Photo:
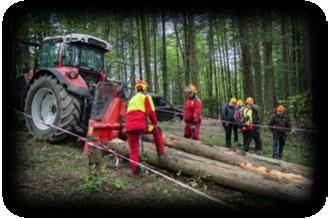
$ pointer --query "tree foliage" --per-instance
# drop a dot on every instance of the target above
(224, 54)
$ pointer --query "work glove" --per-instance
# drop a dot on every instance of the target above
(150, 127)
(193, 128)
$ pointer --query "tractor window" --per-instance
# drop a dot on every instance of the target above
(84, 56)
(69, 55)
(91, 58)
(48, 56)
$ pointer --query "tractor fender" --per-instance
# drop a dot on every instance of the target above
(76, 86)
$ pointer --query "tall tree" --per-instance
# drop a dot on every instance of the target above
(285, 55)
(245, 51)
(192, 46)
(256, 60)
(228, 73)
(155, 65)
(209, 80)
(235, 65)
(140, 67)
(187, 48)
(164, 56)
(118, 48)
(179, 77)
(268, 63)
(220, 62)
(146, 46)
(307, 50)
(132, 51)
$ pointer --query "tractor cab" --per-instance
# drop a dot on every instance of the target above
(83, 53)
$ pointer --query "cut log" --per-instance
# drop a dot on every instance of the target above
(222, 173)
(263, 165)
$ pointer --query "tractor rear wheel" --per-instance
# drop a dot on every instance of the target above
(47, 100)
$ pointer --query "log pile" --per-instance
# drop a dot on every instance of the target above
(243, 171)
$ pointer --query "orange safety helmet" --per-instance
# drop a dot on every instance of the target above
(141, 84)
(280, 108)
(250, 100)
(191, 89)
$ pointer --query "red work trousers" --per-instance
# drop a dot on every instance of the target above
(133, 141)
(195, 134)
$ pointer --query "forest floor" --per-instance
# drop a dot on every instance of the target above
(57, 174)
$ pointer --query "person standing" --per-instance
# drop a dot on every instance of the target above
(250, 118)
(192, 114)
(227, 115)
(237, 119)
(140, 108)
(256, 129)
(279, 120)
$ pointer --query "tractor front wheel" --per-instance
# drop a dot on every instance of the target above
(48, 102)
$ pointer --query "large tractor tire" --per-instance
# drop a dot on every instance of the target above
(48, 100)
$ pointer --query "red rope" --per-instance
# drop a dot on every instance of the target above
(236, 123)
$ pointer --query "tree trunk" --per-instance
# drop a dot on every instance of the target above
(256, 61)
(308, 50)
(235, 69)
(209, 79)
(164, 56)
(246, 62)
(140, 67)
(228, 73)
(187, 50)
(193, 59)
(285, 55)
(224, 72)
(269, 74)
(219, 172)
(221, 63)
(179, 80)
(132, 52)
(146, 45)
(118, 48)
(262, 165)
(155, 28)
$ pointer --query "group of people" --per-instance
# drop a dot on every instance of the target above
(246, 117)
(141, 119)
(235, 115)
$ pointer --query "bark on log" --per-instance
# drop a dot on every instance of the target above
(221, 173)
(260, 164)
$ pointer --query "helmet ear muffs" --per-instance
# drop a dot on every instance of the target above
(191, 89)
(141, 86)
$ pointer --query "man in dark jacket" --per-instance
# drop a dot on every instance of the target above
(279, 120)
(256, 129)
(227, 116)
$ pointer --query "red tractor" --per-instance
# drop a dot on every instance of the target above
(60, 90)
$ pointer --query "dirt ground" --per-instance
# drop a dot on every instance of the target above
(58, 175)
